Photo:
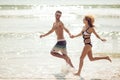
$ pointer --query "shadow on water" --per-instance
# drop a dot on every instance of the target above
(59, 76)
(96, 79)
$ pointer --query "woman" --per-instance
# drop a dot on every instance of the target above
(86, 32)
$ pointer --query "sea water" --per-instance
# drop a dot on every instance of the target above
(23, 54)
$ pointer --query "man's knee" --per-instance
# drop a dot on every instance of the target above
(52, 53)
(65, 55)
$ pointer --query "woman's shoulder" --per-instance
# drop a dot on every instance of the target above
(92, 29)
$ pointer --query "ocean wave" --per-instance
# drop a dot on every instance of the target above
(14, 7)
(41, 16)
(36, 11)
(111, 34)
(18, 7)
(19, 16)
(21, 35)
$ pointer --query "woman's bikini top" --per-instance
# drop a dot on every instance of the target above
(86, 36)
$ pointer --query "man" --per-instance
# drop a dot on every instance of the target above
(59, 29)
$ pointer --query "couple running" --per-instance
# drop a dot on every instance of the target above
(86, 32)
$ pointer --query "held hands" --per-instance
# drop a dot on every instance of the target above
(72, 36)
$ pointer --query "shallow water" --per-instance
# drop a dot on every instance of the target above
(23, 55)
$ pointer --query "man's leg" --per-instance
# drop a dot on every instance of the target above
(68, 60)
(56, 54)
(63, 56)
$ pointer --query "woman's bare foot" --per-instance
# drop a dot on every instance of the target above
(108, 58)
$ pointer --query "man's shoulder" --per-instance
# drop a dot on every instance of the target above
(61, 23)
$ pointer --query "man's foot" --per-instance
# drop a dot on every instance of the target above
(108, 58)
(71, 69)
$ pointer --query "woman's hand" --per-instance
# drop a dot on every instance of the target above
(41, 36)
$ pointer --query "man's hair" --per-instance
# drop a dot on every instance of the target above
(58, 12)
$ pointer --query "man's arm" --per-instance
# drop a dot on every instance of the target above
(49, 32)
(66, 29)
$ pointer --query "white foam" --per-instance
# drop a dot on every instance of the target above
(64, 69)
(71, 76)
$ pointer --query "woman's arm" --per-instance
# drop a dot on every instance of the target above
(95, 33)
(73, 36)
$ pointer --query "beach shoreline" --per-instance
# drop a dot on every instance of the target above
(98, 70)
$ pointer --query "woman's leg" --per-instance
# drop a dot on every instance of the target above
(84, 52)
(91, 58)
